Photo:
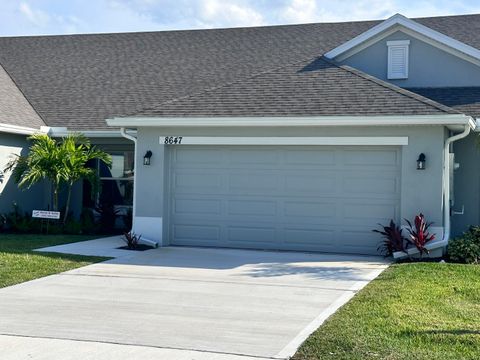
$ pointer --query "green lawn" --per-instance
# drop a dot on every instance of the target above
(411, 311)
(18, 263)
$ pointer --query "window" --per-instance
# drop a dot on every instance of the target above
(398, 59)
(116, 182)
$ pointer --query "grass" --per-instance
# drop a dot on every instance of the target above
(18, 263)
(411, 311)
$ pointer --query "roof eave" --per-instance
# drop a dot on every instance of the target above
(292, 121)
(18, 130)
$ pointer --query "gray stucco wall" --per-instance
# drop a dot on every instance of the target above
(34, 198)
(150, 181)
(428, 65)
(467, 184)
(421, 191)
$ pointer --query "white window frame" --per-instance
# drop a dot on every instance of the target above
(396, 44)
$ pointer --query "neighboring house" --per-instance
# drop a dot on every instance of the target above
(300, 137)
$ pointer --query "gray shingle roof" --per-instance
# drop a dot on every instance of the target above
(308, 88)
(14, 107)
(80, 80)
(463, 99)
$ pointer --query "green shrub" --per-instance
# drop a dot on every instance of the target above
(20, 222)
(466, 248)
(87, 222)
(72, 227)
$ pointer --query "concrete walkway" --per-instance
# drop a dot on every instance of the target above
(180, 303)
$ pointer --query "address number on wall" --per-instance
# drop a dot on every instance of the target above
(172, 140)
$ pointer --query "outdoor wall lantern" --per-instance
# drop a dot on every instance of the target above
(146, 157)
(421, 162)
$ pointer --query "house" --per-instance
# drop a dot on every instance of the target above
(299, 137)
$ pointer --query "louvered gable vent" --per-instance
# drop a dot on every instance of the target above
(398, 59)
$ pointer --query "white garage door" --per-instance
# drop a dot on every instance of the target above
(315, 198)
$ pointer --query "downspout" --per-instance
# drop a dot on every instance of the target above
(123, 132)
(446, 181)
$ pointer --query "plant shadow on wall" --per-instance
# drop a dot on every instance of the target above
(62, 163)
(394, 239)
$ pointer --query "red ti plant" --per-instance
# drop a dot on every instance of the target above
(418, 234)
(393, 240)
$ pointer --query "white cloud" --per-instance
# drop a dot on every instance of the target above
(27, 17)
(228, 13)
(304, 11)
(36, 17)
(300, 11)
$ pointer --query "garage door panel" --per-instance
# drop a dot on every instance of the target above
(371, 158)
(369, 185)
(358, 241)
(251, 207)
(253, 183)
(188, 206)
(310, 157)
(319, 183)
(369, 213)
(253, 157)
(196, 232)
(311, 198)
(311, 237)
(321, 210)
(250, 234)
(195, 182)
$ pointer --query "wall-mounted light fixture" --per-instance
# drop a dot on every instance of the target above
(421, 162)
(146, 157)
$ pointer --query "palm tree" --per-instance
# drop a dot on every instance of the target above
(62, 163)
(77, 151)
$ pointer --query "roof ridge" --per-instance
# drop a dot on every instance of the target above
(377, 20)
(23, 94)
(395, 88)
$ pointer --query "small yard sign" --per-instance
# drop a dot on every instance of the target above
(44, 214)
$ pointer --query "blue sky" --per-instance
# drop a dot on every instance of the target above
(35, 17)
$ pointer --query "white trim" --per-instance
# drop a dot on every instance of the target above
(447, 119)
(63, 131)
(402, 45)
(401, 20)
(20, 130)
(212, 140)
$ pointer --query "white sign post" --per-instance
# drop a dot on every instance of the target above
(44, 214)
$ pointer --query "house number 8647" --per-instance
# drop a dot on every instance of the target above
(172, 140)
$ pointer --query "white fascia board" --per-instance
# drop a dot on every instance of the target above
(19, 130)
(136, 122)
(477, 125)
(63, 131)
(287, 140)
(407, 23)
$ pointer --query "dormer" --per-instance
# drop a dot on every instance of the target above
(409, 54)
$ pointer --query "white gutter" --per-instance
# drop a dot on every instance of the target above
(124, 134)
(20, 130)
(447, 119)
(446, 181)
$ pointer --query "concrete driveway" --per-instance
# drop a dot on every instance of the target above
(180, 303)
